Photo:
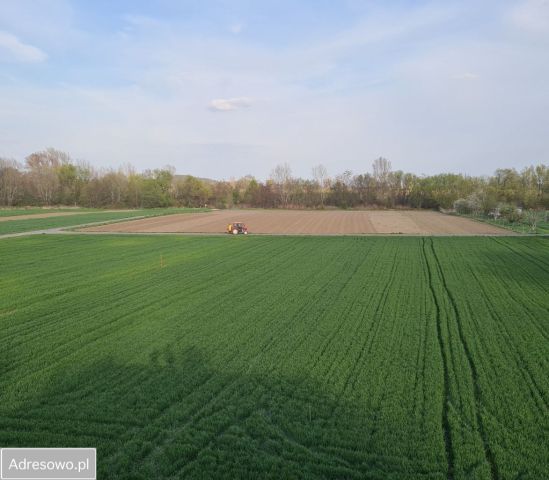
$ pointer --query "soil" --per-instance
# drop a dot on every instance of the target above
(303, 222)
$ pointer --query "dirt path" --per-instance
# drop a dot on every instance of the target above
(302, 222)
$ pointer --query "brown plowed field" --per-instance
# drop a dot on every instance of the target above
(302, 222)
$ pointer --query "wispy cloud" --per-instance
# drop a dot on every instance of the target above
(141, 21)
(230, 104)
(462, 76)
(466, 76)
(236, 28)
(13, 49)
(532, 15)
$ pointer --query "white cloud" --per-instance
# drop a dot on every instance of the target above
(532, 15)
(466, 76)
(229, 104)
(236, 28)
(12, 48)
(141, 21)
(415, 86)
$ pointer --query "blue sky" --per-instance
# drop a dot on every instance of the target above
(229, 88)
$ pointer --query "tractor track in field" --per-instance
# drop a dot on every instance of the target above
(447, 432)
(488, 453)
(292, 357)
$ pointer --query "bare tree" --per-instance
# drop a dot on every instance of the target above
(382, 175)
(282, 178)
(381, 168)
(10, 181)
(541, 173)
(320, 174)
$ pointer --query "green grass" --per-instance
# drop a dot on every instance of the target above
(13, 212)
(542, 227)
(279, 357)
(28, 225)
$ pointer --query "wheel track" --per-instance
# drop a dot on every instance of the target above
(488, 453)
(447, 432)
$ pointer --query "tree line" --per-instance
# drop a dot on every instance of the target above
(52, 177)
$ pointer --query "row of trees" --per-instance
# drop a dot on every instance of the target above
(52, 177)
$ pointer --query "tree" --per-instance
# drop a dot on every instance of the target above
(320, 174)
(364, 186)
(135, 190)
(381, 171)
(542, 173)
(222, 194)
(281, 177)
(192, 192)
(156, 187)
(115, 187)
(72, 179)
(10, 181)
(342, 193)
(531, 219)
(253, 193)
(43, 168)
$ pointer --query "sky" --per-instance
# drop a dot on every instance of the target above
(223, 89)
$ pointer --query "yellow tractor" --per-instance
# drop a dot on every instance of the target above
(237, 227)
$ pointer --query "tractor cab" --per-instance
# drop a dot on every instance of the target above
(237, 227)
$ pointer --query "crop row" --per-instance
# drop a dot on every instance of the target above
(278, 357)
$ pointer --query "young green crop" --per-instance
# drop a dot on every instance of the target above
(32, 224)
(14, 212)
(279, 357)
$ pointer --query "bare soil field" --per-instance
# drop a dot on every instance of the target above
(303, 222)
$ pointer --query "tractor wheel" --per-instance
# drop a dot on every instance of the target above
(235, 232)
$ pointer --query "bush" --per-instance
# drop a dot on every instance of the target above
(510, 212)
(461, 205)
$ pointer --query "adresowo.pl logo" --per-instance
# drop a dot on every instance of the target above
(48, 464)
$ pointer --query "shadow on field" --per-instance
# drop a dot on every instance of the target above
(177, 417)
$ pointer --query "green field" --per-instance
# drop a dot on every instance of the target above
(279, 357)
(14, 212)
(30, 224)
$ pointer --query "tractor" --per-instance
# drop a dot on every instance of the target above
(237, 227)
